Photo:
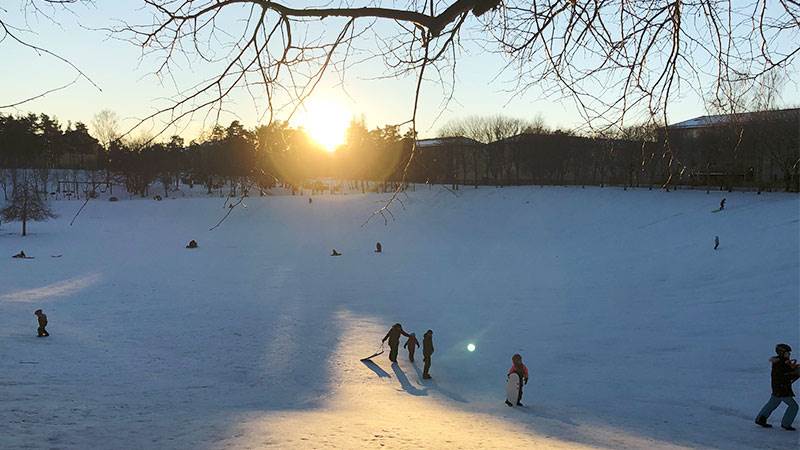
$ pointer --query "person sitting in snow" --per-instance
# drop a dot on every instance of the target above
(378, 247)
(192, 244)
(427, 351)
(522, 371)
(335, 253)
(412, 343)
(21, 254)
(785, 371)
(394, 340)
(42, 318)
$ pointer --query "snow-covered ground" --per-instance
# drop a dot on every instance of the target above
(636, 332)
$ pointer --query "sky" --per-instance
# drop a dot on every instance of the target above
(130, 89)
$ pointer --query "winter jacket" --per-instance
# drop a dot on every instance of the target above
(42, 318)
(522, 371)
(783, 375)
(411, 342)
(427, 345)
(394, 336)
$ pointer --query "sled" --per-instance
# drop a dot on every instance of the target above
(377, 353)
(512, 388)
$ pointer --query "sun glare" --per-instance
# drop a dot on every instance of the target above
(326, 123)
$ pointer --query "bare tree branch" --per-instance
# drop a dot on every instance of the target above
(14, 33)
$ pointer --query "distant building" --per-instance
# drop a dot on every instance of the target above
(538, 158)
(560, 158)
(449, 160)
(755, 150)
(758, 149)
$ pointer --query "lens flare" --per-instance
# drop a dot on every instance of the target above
(326, 123)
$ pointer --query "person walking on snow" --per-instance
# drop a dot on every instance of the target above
(785, 371)
(412, 343)
(522, 371)
(427, 351)
(394, 340)
(722, 204)
(42, 318)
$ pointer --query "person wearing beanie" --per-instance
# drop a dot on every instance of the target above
(785, 371)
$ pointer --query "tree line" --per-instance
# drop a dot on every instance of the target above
(758, 152)
(233, 156)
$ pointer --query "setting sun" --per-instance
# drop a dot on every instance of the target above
(326, 123)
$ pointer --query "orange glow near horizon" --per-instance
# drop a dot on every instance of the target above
(326, 123)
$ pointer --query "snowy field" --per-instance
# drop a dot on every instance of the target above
(636, 332)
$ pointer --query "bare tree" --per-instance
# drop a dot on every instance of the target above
(609, 56)
(26, 204)
(491, 129)
(15, 30)
(105, 125)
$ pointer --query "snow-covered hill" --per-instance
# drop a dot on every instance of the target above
(636, 332)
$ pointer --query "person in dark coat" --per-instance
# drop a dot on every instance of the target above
(335, 253)
(378, 247)
(42, 318)
(722, 204)
(716, 242)
(411, 344)
(785, 371)
(394, 340)
(192, 244)
(427, 351)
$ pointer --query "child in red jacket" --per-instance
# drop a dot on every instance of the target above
(520, 369)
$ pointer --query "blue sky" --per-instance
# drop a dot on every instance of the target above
(129, 89)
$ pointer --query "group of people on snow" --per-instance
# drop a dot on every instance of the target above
(393, 336)
(785, 371)
(412, 344)
(378, 249)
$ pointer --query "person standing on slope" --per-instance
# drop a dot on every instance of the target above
(784, 373)
(522, 371)
(394, 340)
(412, 343)
(42, 319)
(427, 351)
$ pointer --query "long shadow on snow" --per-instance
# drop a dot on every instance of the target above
(376, 368)
(434, 386)
(405, 384)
